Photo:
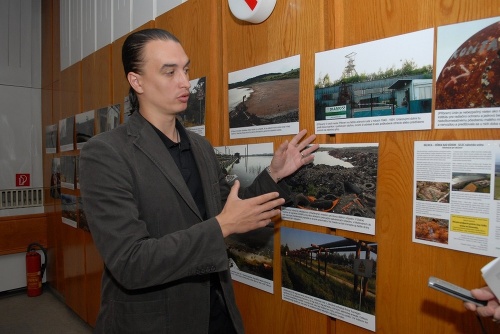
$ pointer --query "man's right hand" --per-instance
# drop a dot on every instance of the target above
(243, 215)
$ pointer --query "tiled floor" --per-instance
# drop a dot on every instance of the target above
(44, 314)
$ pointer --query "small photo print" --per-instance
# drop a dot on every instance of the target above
(432, 229)
(471, 182)
(438, 192)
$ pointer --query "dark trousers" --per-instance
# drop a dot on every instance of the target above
(220, 321)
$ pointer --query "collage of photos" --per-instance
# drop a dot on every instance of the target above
(330, 274)
(456, 201)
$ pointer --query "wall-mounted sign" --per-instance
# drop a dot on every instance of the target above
(22, 180)
(253, 11)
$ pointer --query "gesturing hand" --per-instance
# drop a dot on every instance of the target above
(292, 155)
(243, 215)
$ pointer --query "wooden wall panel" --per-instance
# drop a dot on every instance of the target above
(94, 267)
(96, 93)
(16, 233)
(55, 261)
(120, 85)
(70, 94)
(201, 41)
(73, 250)
(96, 80)
(55, 265)
(71, 240)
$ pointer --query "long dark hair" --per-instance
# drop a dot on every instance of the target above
(132, 55)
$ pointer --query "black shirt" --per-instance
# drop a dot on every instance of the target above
(183, 156)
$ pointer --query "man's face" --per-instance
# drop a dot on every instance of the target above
(164, 82)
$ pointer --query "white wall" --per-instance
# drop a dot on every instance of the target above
(88, 25)
(20, 93)
(20, 114)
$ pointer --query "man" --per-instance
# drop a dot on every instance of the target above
(159, 207)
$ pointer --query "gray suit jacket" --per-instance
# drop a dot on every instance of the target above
(157, 250)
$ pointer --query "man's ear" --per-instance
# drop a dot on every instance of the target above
(134, 80)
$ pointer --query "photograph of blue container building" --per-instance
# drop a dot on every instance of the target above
(388, 78)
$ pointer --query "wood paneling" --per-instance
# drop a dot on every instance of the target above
(16, 233)
(96, 79)
(73, 251)
(96, 93)
(120, 85)
(202, 42)
(93, 274)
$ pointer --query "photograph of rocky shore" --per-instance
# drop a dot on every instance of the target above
(264, 96)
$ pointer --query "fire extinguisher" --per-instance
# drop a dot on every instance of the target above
(35, 269)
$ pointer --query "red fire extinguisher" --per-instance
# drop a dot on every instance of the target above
(35, 269)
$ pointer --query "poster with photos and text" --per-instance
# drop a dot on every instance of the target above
(457, 195)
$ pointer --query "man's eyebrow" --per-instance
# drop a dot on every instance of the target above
(164, 66)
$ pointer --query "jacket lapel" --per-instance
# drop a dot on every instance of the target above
(208, 177)
(148, 141)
